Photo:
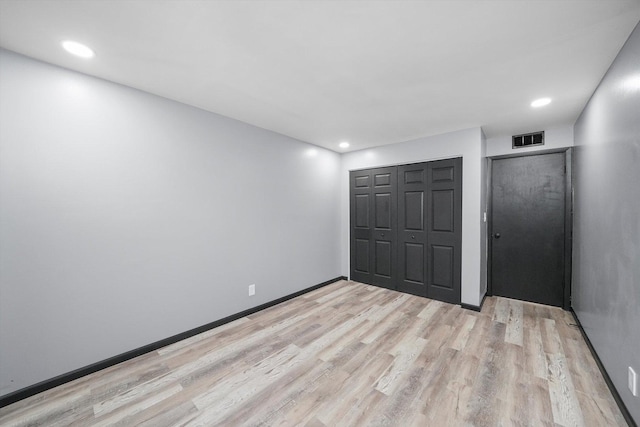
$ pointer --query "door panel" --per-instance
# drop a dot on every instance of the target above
(383, 211)
(414, 175)
(411, 234)
(360, 226)
(414, 263)
(414, 210)
(362, 210)
(443, 174)
(362, 256)
(382, 179)
(528, 225)
(373, 219)
(444, 232)
(384, 194)
(383, 259)
(442, 210)
(442, 262)
(362, 181)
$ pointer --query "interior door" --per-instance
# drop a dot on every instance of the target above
(528, 227)
(412, 235)
(444, 230)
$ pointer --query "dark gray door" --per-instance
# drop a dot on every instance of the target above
(412, 234)
(444, 229)
(528, 227)
(360, 183)
(373, 226)
(384, 226)
(406, 228)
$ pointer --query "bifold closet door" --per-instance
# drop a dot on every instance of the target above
(373, 226)
(412, 235)
(406, 228)
(444, 229)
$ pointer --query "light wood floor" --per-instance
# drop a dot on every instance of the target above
(350, 354)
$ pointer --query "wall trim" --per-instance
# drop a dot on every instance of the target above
(95, 367)
(474, 307)
(607, 379)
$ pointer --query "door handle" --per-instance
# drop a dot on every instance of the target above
(497, 235)
(413, 237)
(381, 234)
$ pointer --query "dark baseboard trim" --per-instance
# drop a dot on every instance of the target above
(474, 307)
(616, 396)
(95, 367)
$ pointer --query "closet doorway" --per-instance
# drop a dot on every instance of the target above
(406, 228)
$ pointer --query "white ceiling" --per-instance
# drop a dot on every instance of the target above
(370, 72)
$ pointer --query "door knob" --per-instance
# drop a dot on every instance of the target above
(381, 234)
(413, 237)
(497, 235)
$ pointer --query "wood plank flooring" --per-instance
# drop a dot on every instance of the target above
(350, 354)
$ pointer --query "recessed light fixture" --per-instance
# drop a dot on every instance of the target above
(541, 102)
(77, 49)
(344, 144)
(631, 83)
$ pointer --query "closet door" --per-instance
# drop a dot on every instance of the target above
(373, 226)
(385, 222)
(444, 229)
(412, 235)
(360, 184)
(406, 228)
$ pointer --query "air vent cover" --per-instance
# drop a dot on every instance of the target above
(528, 139)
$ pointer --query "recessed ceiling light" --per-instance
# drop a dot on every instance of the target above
(77, 49)
(631, 83)
(541, 102)
(344, 144)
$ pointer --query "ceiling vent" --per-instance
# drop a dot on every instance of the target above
(528, 139)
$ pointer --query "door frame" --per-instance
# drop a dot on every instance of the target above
(568, 217)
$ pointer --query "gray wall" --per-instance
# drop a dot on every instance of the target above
(606, 263)
(468, 144)
(126, 218)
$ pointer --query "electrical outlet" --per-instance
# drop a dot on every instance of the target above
(252, 290)
(633, 381)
